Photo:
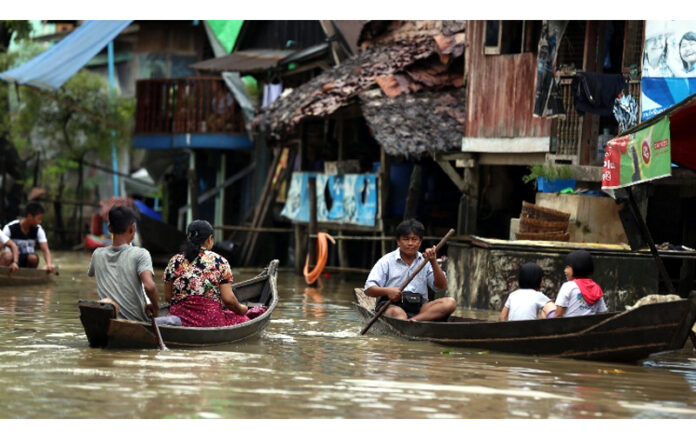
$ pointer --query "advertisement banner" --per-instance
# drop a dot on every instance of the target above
(669, 65)
(642, 156)
(343, 199)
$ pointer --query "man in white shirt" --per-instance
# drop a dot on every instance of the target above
(26, 233)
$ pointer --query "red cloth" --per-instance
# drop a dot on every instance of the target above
(203, 312)
(591, 292)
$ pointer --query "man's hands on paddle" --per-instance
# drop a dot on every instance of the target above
(393, 293)
(430, 254)
(151, 310)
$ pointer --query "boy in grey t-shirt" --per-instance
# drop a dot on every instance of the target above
(122, 271)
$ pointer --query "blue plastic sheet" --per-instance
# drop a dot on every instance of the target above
(52, 68)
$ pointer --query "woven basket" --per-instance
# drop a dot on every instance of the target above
(544, 236)
(530, 210)
(536, 225)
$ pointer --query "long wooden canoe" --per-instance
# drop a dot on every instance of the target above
(103, 330)
(24, 276)
(626, 336)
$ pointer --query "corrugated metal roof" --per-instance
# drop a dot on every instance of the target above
(246, 61)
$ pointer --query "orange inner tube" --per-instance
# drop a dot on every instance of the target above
(322, 255)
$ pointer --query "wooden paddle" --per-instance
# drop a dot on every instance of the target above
(160, 342)
(406, 282)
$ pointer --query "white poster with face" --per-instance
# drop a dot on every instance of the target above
(669, 65)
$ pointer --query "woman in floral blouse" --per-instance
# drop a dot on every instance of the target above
(198, 283)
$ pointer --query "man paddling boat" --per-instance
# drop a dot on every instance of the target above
(395, 267)
(123, 271)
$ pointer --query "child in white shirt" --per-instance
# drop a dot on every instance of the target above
(580, 296)
(526, 302)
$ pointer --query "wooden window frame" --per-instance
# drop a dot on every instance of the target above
(497, 49)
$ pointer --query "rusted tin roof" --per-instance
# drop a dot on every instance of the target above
(411, 124)
(245, 61)
(426, 57)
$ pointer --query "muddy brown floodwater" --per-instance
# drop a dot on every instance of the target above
(309, 363)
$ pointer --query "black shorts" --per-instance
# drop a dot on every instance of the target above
(24, 258)
(409, 308)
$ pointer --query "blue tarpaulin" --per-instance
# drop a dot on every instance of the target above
(52, 68)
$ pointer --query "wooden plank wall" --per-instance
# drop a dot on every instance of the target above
(500, 91)
(178, 37)
(186, 105)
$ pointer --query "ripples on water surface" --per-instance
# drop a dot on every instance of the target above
(309, 363)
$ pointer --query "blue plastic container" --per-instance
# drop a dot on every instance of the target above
(554, 185)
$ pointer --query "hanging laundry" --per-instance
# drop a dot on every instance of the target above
(271, 92)
(595, 92)
(626, 112)
(546, 102)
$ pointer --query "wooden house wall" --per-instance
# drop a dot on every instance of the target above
(274, 34)
(501, 91)
(175, 37)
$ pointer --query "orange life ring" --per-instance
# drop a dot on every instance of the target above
(322, 256)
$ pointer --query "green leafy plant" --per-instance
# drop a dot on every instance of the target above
(548, 170)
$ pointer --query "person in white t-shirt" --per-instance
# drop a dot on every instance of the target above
(580, 296)
(27, 233)
(527, 302)
(8, 258)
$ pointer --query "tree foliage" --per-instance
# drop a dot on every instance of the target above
(70, 125)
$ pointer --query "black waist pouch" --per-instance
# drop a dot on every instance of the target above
(411, 302)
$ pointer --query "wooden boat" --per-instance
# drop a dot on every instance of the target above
(104, 330)
(25, 276)
(625, 336)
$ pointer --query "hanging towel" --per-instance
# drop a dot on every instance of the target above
(271, 92)
(596, 92)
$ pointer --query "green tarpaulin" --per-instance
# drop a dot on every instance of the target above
(226, 31)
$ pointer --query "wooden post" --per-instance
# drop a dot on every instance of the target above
(342, 253)
(385, 180)
(3, 174)
(648, 238)
(81, 197)
(593, 61)
(311, 242)
(414, 191)
(686, 272)
(468, 203)
(36, 170)
(298, 248)
(193, 192)
(260, 211)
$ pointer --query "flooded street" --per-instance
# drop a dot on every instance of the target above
(309, 363)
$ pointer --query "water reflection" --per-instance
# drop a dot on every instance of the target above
(310, 363)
